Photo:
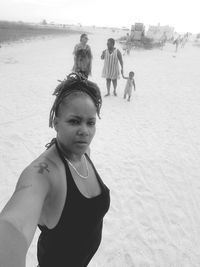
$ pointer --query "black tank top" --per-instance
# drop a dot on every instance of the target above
(77, 236)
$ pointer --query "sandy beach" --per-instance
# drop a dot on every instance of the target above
(147, 150)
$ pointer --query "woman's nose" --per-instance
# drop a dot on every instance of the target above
(83, 130)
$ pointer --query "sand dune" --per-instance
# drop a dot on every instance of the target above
(147, 150)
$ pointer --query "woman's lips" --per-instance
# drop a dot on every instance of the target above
(81, 142)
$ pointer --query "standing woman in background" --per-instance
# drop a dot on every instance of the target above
(83, 57)
(112, 57)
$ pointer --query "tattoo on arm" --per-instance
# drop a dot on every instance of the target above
(42, 166)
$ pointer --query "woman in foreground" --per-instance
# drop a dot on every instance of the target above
(60, 191)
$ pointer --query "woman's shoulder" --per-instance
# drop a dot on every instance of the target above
(44, 166)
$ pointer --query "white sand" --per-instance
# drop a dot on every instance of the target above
(147, 151)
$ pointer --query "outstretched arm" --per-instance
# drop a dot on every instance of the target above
(13, 245)
(20, 216)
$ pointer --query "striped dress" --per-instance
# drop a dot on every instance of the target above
(111, 65)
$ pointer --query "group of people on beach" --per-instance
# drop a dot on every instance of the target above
(60, 191)
(112, 58)
(180, 41)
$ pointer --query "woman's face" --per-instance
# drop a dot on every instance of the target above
(84, 39)
(75, 124)
(110, 44)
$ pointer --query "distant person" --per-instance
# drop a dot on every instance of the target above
(177, 43)
(130, 84)
(83, 56)
(184, 39)
(127, 45)
(163, 40)
(60, 191)
(112, 57)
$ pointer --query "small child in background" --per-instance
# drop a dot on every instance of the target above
(129, 85)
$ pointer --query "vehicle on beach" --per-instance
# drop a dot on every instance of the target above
(155, 36)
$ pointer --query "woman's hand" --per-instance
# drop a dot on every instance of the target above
(103, 54)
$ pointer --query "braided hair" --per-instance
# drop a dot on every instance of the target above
(75, 82)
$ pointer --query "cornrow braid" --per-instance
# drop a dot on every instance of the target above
(75, 82)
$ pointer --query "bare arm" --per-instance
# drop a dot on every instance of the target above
(119, 55)
(20, 216)
(13, 246)
(90, 51)
(134, 85)
(103, 54)
(74, 52)
(75, 49)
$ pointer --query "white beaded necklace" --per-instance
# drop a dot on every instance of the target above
(80, 175)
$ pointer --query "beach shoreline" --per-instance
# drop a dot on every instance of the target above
(14, 32)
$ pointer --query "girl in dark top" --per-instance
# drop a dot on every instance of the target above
(60, 191)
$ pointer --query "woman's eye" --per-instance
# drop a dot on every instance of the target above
(91, 123)
(74, 122)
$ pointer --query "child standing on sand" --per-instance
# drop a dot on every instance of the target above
(129, 85)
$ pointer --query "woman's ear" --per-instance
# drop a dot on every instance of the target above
(55, 123)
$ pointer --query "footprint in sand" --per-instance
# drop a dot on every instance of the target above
(129, 260)
(10, 60)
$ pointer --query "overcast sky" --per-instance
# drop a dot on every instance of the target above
(184, 15)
